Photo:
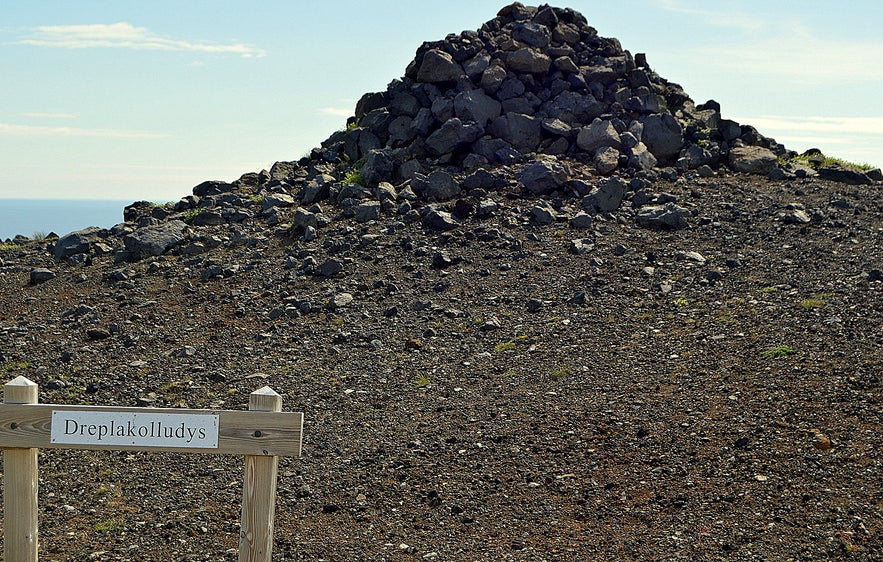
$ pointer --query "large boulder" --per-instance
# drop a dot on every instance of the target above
(77, 242)
(523, 132)
(475, 105)
(753, 159)
(528, 60)
(544, 176)
(439, 66)
(154, 240)
(663, 135)
(599, 134)
(452, 135)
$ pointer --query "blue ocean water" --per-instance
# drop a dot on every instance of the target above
(61, 216)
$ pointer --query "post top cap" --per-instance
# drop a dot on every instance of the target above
(21, 381)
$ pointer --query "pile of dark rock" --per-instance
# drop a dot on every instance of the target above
(539, 81)
(533, 104)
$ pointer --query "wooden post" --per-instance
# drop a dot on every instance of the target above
(259, 490)
(20, 485)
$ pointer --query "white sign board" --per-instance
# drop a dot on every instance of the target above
(143, 429)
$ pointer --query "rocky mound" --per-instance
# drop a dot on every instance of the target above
(514, 336)
(535, 103)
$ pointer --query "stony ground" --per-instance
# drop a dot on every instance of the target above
(496, 392)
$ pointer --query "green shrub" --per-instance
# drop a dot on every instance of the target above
(779, 352)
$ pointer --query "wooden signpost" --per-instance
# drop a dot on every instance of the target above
(262, 434)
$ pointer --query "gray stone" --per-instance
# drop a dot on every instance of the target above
(531, 33)
(599, 134)
(572, 107)
(386, 192)
(368, 211)
(439, 220)
(580, 247)
(695, 156)
(566, 64)
(439, 66)
(641, 157)
(378, 167)
(41, 275)
(403, 103)
(492, 79)
(401, 130)
(207, 217)
(303, 219)
(795, 216)
(329, 268)
(542, 214)
(544, 176)
(668, 216)
(277, 200)
(453, 134)
(557, 127)
(528, 60)
(523, 132)
(663, 135)
(582, 220)
(78, 242)
(606, 160)
(155, 240)
(845, 175)
(477, 65)
(340, 300)
(607, 197)
(729, 130)
(753, 159)
(441, 186)
(475, 105)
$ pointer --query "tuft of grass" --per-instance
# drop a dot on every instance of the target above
(353, 177)
(779, 352)
(681, 302)
(7, 368)
(7, 247)
(110, 525)
(767, 290)
(422, 381)
(562, 373)
(818, 161)
(816, 301)
(190, 215)
(504, 346)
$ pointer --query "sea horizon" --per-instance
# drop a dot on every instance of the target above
(36, 218)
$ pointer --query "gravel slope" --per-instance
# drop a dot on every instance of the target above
(488, 394)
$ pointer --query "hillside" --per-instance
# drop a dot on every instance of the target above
(535, 303)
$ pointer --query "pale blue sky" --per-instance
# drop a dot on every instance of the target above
(136, 100)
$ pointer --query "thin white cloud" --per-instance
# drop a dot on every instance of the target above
(46, 115)
(802, 59)
(336, 111)
(124, 35)
(864, 126)
(716, 17)
(8, 129)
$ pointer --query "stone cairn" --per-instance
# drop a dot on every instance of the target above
(535, 103)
